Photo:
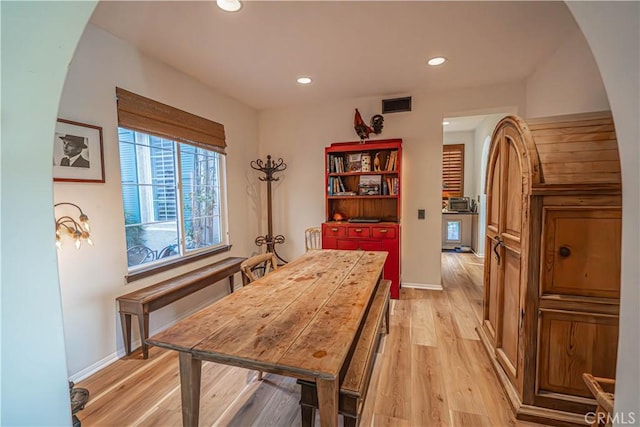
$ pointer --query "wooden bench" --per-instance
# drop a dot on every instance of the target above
(143, 301)
(353, 389)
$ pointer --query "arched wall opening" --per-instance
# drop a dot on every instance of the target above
(34, 67)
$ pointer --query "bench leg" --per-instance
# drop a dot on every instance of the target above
(308, 415)
(143, 323)
(231, 284)
(386, 319)
(125, 323)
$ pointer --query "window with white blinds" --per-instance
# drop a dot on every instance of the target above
(452, 170)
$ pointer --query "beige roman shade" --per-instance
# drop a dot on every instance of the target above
(453, 170)
(142, 114)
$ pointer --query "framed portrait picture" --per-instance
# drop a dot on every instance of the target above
(77, 152)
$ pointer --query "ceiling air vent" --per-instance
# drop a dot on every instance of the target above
(396, 105)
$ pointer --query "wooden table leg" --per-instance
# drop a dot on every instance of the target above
(328, 401)
(190, 372)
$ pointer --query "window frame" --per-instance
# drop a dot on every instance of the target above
(140, 271)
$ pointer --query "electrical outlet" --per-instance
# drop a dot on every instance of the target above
(421, 213)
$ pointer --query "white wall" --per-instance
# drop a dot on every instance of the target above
(613, 33)
(299, 135)
(38, 39)
(470, 175)
(91, 278)
(568, 81)
(33, 68)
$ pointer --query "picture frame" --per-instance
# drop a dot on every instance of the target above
(77, 152)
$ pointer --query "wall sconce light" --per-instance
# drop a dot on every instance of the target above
(76, 229)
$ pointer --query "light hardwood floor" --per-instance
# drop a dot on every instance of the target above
(430, 371)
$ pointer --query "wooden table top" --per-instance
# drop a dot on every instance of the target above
(299, 320)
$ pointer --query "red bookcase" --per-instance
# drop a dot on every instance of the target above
(363, 183)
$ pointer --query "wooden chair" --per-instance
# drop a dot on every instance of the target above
(258, 266)
(255, 267)
(312, 238)
(602, 390)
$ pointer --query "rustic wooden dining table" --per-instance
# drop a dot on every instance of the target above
(301, 320)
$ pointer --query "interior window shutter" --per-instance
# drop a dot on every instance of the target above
(453, 170)
(142, 114)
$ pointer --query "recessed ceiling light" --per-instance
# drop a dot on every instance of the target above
(445, 123)
(304, 80)
(229, 5)
(438, 60)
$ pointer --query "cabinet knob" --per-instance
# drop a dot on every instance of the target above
(384, 230)
(564, 251)
(334, 229)
(358, 230)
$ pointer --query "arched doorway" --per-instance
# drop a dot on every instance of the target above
(39, 39)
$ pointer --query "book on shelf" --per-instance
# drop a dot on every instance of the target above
(392, 185)
(392, 159)
(336, 186)
(335, 163)
(354, 162)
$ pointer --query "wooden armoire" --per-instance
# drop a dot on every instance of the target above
(552, 261)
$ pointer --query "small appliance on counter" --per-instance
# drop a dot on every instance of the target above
(459, 204)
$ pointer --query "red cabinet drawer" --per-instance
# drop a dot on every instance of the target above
(358, 232)
(334, 231)
(383, 232)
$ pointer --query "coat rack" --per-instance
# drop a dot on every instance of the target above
(269, 168)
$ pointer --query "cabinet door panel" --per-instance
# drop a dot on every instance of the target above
(347, 244)
(582, 252)
(370, 245)
(512, 192)
(493, 196)
(573, 343)
(329, 243)
(493, 291)
(509, 337)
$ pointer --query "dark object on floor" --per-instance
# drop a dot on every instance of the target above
(79, 398)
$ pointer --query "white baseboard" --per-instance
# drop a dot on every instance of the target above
(120, 353)
(426, 286)
(100, 364)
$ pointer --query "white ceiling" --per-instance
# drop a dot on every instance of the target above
(349, 48)
(467, 123)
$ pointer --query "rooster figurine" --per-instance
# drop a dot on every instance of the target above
(361, 127)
